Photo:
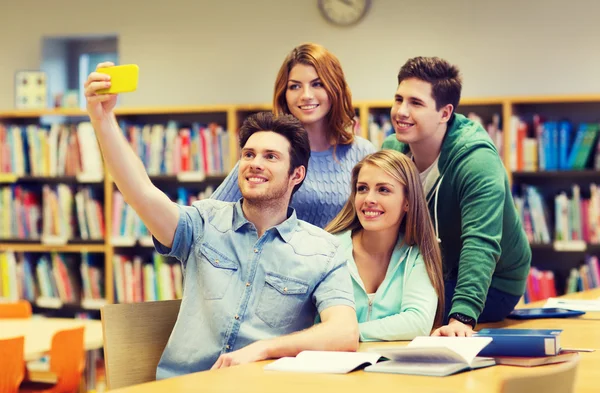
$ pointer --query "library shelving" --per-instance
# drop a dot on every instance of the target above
(127, 240)
(59, 165)
(554, 162)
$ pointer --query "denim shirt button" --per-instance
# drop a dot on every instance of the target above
(227, 346)
(237, 317)
(247, 284)
(256, 250)
(216, 261)
(285, 289)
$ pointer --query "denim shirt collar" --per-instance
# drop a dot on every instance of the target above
(285, 229)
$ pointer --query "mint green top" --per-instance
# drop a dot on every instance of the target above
(482, 239)
(405, 303)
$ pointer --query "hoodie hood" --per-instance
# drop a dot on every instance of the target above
(462, 136)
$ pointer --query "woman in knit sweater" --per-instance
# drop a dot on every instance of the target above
(311, 86)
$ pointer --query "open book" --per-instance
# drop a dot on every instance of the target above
(423, 356)
(435, 356)
(324, 362)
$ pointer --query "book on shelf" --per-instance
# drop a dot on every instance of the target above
(584, 277)
(202, 150)
(127, 227)
(21, 213)
(576, 218)
(51, 279)
(435, 356)
(493, 127)
(534, 215)
(137, 279)
(549, 145)
(380, 127)
(68, 215)
(58, 150)
(51, 214)
(540, 285)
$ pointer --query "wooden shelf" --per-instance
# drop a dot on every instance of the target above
(166, 110)
(191, 109)
(22, 113)
(542, 177)
(589, 249)
(554, 99)
(387, 104)
(46, 180)
(24, 247)
(212, 179)
(254, 108)
(33, 113)
(32, 246)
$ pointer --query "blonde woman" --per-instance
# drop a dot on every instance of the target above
(391, 249)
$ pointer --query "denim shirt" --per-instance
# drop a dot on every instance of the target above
(239, 288)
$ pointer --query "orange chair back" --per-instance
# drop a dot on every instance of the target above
(12, 365)
(19, 309)
(67, 359)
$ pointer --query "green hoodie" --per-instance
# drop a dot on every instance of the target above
(482, 240)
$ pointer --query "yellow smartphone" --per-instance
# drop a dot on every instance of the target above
(123, 78)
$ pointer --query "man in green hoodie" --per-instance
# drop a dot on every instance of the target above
(485, 252)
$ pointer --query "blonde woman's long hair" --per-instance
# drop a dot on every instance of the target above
(416, 224)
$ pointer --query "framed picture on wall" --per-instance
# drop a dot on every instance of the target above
(31, 89)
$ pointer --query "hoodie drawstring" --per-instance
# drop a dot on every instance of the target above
(435, 209)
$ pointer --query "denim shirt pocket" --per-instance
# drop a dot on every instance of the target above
(281, 300)
(216, 271)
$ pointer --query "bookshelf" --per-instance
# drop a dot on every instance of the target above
(495, 113)
(36, 248)
(553, 173)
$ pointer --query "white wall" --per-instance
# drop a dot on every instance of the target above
(54, 63)
(228, 51)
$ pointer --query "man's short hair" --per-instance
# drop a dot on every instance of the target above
(285, 125)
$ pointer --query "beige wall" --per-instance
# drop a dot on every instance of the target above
(228, 51)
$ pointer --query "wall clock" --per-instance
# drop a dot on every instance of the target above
(344, 12)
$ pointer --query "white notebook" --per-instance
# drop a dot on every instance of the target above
(573, 304)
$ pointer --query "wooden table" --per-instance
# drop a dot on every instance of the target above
(582, 332)
(38, 332)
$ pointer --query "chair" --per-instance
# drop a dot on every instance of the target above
(555, 379)
(67, 362)
(12, 365)
(135, 336)
(19, 309)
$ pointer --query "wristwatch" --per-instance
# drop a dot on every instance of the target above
(467, 320)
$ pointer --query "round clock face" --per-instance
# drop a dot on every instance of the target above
(344, 12)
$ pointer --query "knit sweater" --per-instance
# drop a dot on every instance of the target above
(326, 187)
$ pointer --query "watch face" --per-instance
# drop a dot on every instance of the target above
(344, 12)
(463, 319)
